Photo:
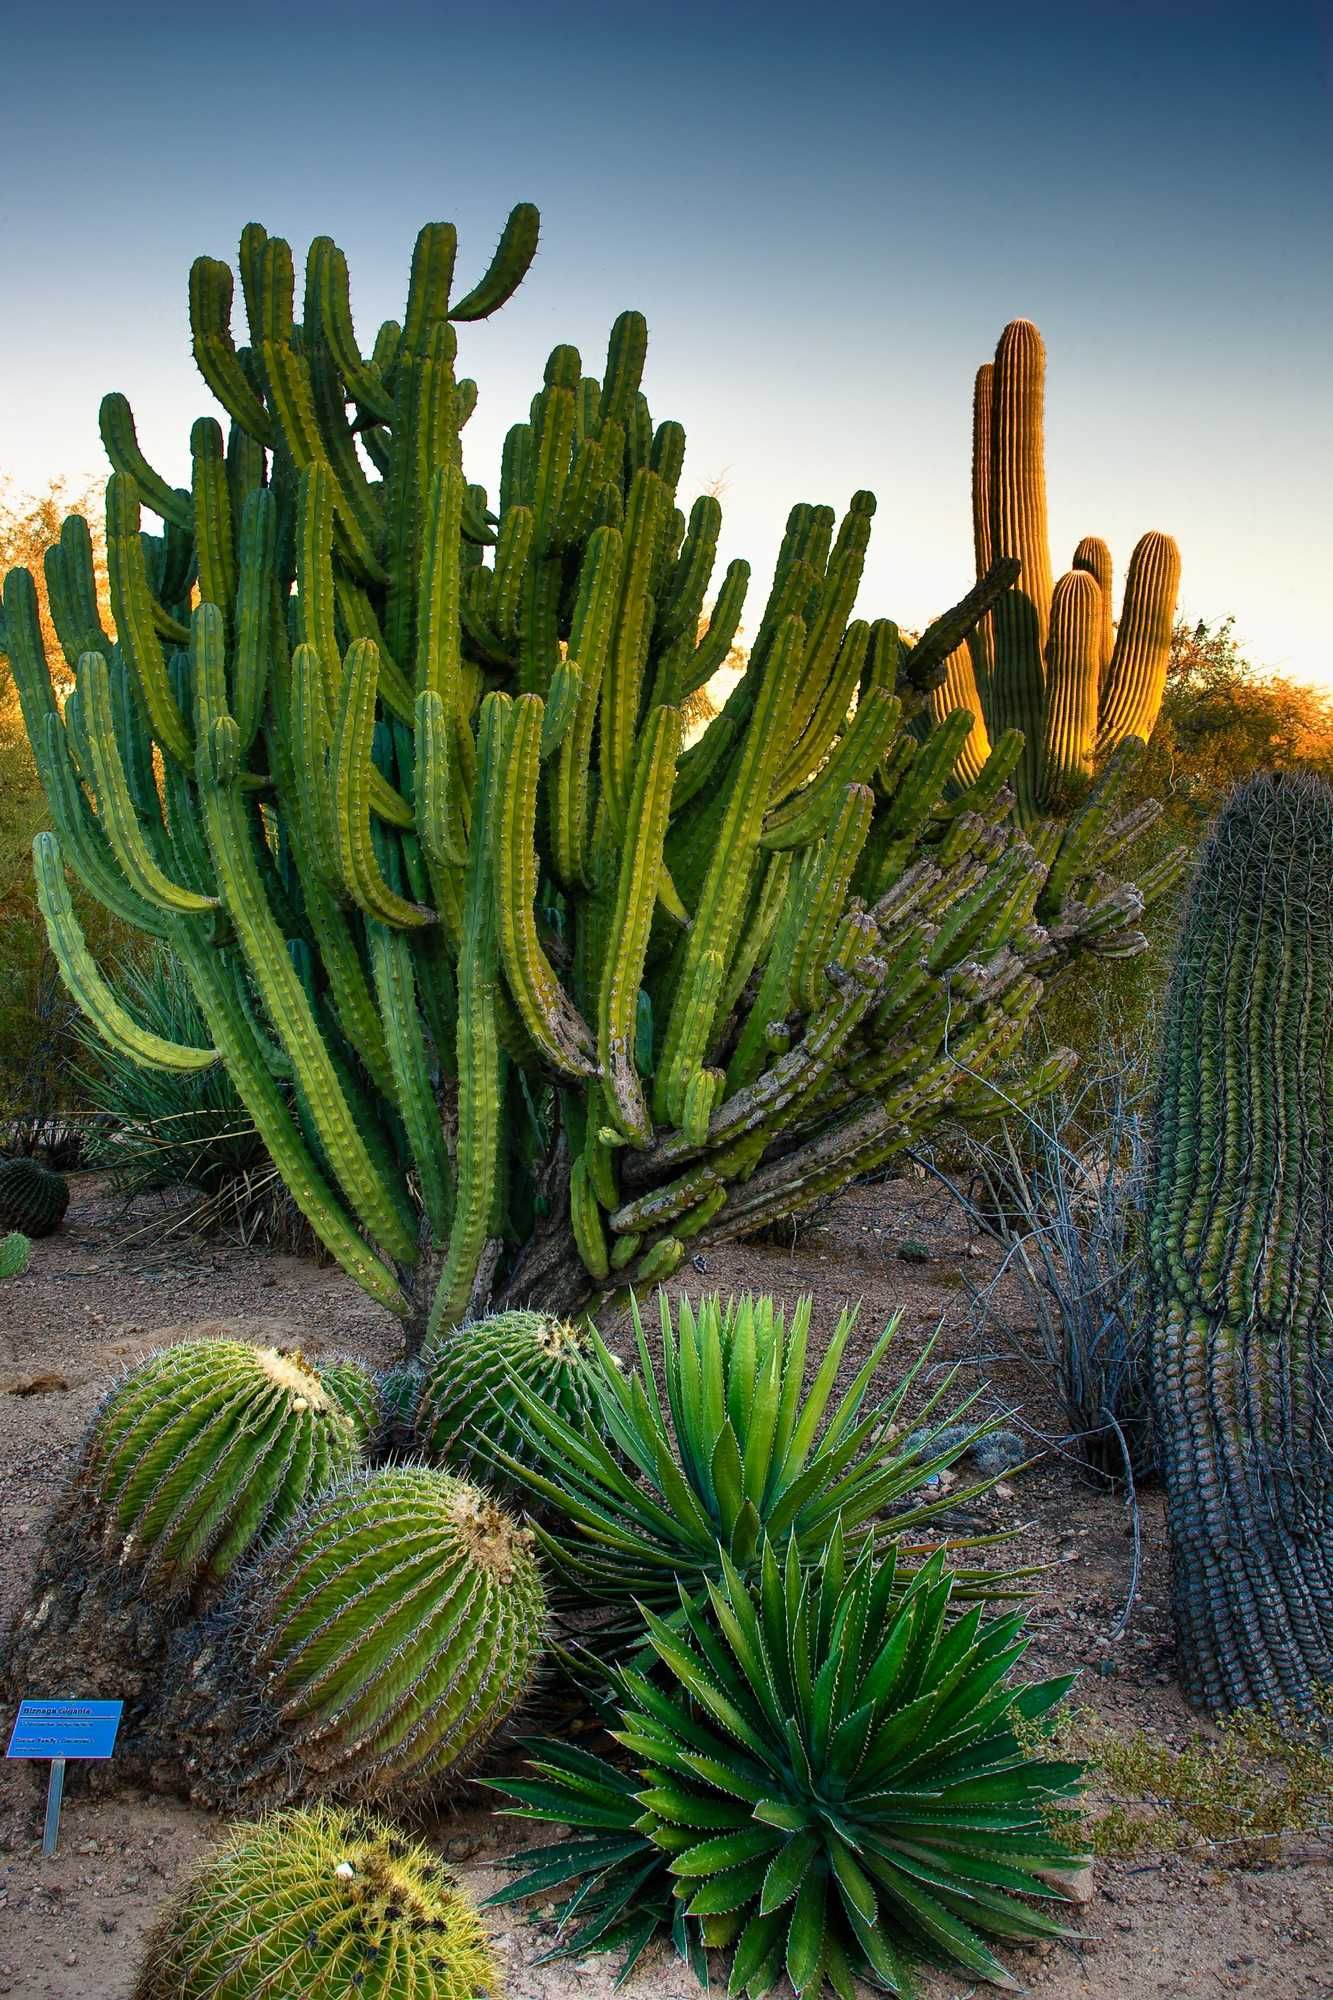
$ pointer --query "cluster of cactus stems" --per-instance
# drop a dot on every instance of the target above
(1048, 659)
(1241, 1255)
(526, 1000)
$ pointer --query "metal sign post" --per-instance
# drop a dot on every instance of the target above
(58, 1730)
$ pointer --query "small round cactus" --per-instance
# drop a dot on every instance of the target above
(13, 1255)
(324, 1902)
(390, 1632)
(204, 1448)
(32, 1198)
(468, 1409)
(353, 1387)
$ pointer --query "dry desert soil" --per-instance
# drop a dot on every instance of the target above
(111, 1286)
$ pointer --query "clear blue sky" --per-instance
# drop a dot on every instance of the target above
(827, 214)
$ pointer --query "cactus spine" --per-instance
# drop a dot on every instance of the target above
(1241, 1254)
(1047, 660)
(319, 1901)
(492, 959)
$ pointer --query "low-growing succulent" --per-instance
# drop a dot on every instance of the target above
(203, 1449)
(654, 1491)
(321, 1902)
(32, 1198)
(14, 1252)
(840, 1781)
(372, 1651)
(468, 1410)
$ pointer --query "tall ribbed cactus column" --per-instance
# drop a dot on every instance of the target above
(1048, 659)
(1241, 1254)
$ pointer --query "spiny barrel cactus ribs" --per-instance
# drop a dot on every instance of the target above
(526, 1000)
(1240, 1252)
(1047, 659)
(33, 1199)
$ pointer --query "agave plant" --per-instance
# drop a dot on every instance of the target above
(839, 1782)
(656, 1491)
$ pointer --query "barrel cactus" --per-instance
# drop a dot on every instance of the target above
(354, 1388)
(468, 1409)
(371, 1652)
(1048, 658)
(14, 1251)
(1241, 1254)
(525, 998)
(324, 1902)
(33, 1200)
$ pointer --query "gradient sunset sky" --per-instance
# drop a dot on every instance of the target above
(827, 214)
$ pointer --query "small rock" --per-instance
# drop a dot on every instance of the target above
(1077, 1884)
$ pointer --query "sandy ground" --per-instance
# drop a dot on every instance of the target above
(108, 1288)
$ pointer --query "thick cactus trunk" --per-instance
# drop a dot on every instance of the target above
(1241, 1255)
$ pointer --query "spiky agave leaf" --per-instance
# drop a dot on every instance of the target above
(652, 1491)
(838, 1781)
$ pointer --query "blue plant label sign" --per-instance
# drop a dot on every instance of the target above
(65, 1729)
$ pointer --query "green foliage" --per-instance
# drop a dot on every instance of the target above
(32, 1198)
(1240, 1254)
(322, 1901)
(370, 1652)
(204, 1450)
(14, 1250)
(522, 997)
(652, 1492)
(468, 1411)
(834, 1784)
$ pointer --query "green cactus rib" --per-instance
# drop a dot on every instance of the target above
(1136, 670)
(1073, 659)
(116, 808)
(303, 1902)
(636, 889)
(132, 607)
(351, 770)
(203, 1449)
(84, 982)
(549, 1015)
(395, 994)
(377, 1645)
(467, 1410)
(1240, 1229)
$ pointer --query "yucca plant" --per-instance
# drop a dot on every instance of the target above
(656, 1490)
(840, 1782)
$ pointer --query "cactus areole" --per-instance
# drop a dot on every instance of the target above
(527, 1000)
(1241, 1255)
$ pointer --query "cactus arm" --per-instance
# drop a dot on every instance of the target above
(585, 1218)
(831, 879)
(1093, 557)
(624, 666)
(215, 354)
(83, 981)
(438, 820)
(958, 690)
(682, 601)
(982, 441)
(240, 883)
(254, 612)
(396, 993)
(640, 867)
(513, 548)
(508, 267)
(1021, 617)
(1073, 675)
(116, 810)
(364, 381)
(214, 547)
(438, 605)
(1136, 675)
(830, 714)
(549, 1015)
(136, 627)
(589, 643)
(121, 443)
(853, 761)
(351, 768)
(479, 1105)
(724, 623)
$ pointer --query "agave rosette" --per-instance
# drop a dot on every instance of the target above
(841, 1781)
(653, 1489)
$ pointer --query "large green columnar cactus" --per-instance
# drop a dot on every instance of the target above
(527, 1001)
(1048, 659)
(1241, 1254)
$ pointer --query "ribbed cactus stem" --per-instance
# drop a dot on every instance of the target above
(959, 689)
(1073, 668)
(1241, 1255)
(1093, 556)
(983, 418)
(1136, 673)
(1019, 528)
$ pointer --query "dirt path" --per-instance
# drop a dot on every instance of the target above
(104, 1292)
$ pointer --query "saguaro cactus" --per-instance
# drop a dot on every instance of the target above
(1048, 659)
(522, 997)
(1241, 1254)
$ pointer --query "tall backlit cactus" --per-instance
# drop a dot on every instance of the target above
(1048, 659)
(526, 1001)
(1241, 1255)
